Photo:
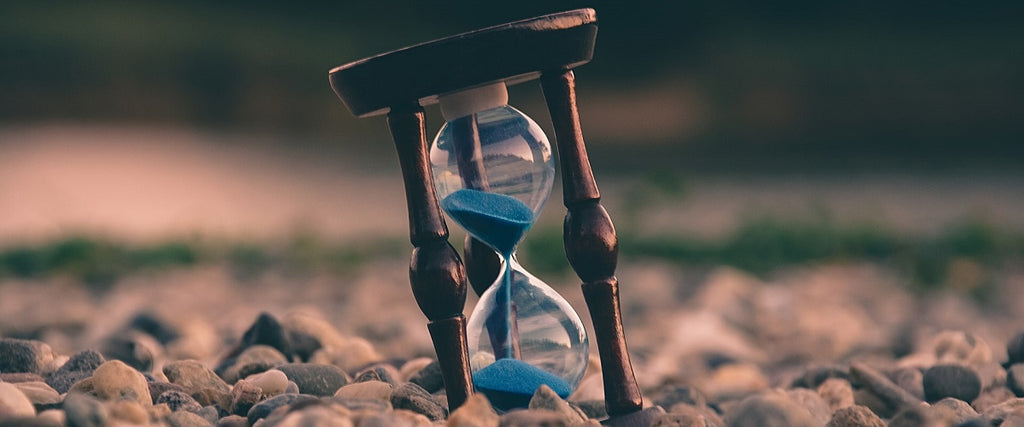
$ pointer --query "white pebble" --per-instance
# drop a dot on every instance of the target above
(272, 382)
(13, 402)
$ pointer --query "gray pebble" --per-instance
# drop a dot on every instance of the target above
(209, 413)
(79, 367)
(545, 398)
(429, 377)
(264, 408)
(951, 380)
(292, 387)
(20, 377)
(414, 398)
(684, 414)
(178, 401)
(24, 355)
(855, 416)
(681, 394)
(385, 373)
(244, 395)
(134, 348)
(84, 411)
(315, 379)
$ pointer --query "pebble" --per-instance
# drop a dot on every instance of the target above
(178, 401)
(318, 415)
(475, 412)
(253, 360)
(681, 394)
(992, 397)
(199, 381)
(271, 383)
(186, 419)
(84, 411)
(911, 380)
(954, 411)
(115, 380)
(25, 356)
(1015, 349)
(734, 380)
(39, 393)
(996, 414)
(769, 409)
(264, 408)
(292, 388)
(209, 413)
(354, 354)
(429, 377)
(266, 330)
(379, 372)
(134, 348)
(233, 421)
(153, 326)
(951, 380)
(684, 414)
(53, 417)
(593, 408)
(412, 367)
(80, 366)
(960, 347)
(531, 418)
(366, 390)
(855, 416)
(127, 410)
(414, 398)
(244, 395)
(14, 403)
(1015, 379)
(837, 393)
(19, 377)
(915, 416)
(365, 405)
(315, 379)
(811, 401)
(546, 398)
(891, 394)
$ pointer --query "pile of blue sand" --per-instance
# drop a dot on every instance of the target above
(495, 219)
(510, 383)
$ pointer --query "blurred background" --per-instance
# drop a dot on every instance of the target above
(146, 138)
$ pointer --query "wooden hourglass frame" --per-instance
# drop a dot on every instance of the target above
(400, 83)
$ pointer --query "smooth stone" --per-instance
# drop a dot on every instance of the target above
(53, 417)
(194, 377)
(475, 412)
(115, 380)
(136, 349)
(379, 372)
(264, 408)
(292, 388)
(769, 409)
(84, 386)
(155, 327)
(414, 398)
(681, 394)
(532, 418)
(365, 405)
(20, 377)
(80, 366)
(811, 401)
(366, 390)
(233, 421)
(684, 414)
(429, 377)
(244, 395)
(209, 413)
(272, 382)
(315, 379)
(178, 401)
(954, 411)
(159, 411)
(24, 356)
(14, 403)
(1015, 379)
(1015, 349)
(266, 330)
(951, 380)
(129, 411)
(39, 393)
(253, 360)
(84, 411)
(837, 393)
(186, 419)
(545, 398)
(960, 347)
(412, 367)
(855, 416)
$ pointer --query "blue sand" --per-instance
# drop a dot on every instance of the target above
(495, 219)
(510, 383)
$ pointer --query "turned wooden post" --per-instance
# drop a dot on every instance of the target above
(591, 245)
(436, 272)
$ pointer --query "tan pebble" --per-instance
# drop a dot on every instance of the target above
(160, 412)
(130, 411)
(39, 392)
(84, 387)
(14, 403)
(55, 417)
(476, 412)
(412, 367)
(272, 382)
(115, 380)
(366, 390)
(837, 393)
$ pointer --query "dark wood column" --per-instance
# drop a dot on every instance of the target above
(591, 244)
(436, 272)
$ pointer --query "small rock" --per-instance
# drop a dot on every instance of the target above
(53, 417)
(252, 360)
(684, 414)
(960, 347)
(412, 367)
(379, 372)
(681, 394)
(768, 410)
(19, 377)
(159, 412)
(14, 403)
(475, 412)
(811, 401)
(414, 398)
(264, 408)
(366, 390)
(954, 411)
(951, 380)
(1015, 419)
(354, 354)
(154, 327)
(80, 366)
(915, 416)
(134, 348)
(734, 380)
(39, 393)
(1015, 349)
(272, 382)
(855, 416)
(429, 377)
(1015, 379)
(315, 379)
(84, 411)
(178, 401)
(292, 388)
(209, 413)
(25, 356)
(200, 382)
(910, 379)
(244, 395)
(266, 330)
(892, 395)
(837, 393)
(546, 398)
(531, 418)
(127, 410)
(156, 388)
(186, 419)
(233, 421)
(318, 415)
(115, 380)
(996, 414)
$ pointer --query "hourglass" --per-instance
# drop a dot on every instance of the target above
(490, 169)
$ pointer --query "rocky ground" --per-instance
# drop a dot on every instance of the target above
(838, 345)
